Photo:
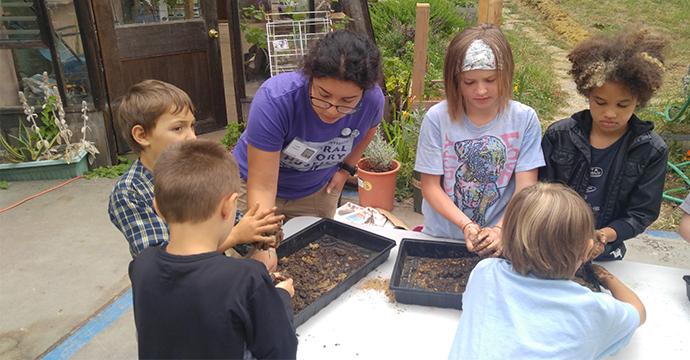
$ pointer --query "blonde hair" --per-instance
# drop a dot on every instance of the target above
(191, 178)
(546, 230)
(455, 56)
(144, 103)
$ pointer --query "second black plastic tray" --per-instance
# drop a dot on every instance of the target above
(379, 245)
(429, 249)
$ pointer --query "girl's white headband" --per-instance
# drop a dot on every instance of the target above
(479, 56)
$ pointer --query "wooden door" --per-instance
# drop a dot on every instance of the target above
(170, 40)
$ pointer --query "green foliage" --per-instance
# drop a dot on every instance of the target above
(47, 127)
(253, 34)
(254, 14)
(394, 27)
(380, 155)
(110, 172)
(4, 185)
(29, 146)
(232, 134)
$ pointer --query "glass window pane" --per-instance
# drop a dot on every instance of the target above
(70, 51)
(18, 21)
(153, 11)
(253, 32)
(29, 65)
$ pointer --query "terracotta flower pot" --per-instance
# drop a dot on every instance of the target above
(376, 189)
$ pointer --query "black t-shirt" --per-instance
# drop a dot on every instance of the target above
(595, 194)
(209, 306)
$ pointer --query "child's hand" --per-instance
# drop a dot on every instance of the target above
(277, 277)
(268, 257)
(287, 286)
(602, 274)
(599, 245)
(257, 227)
(471, 231)
(489, 242)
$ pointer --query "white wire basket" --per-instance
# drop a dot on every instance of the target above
(289, 36)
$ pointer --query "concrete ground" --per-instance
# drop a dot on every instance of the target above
(62, 262)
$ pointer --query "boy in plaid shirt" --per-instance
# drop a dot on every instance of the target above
(154, 115)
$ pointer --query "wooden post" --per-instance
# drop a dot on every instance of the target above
(358, 11)
(490, 11)
(421, 40)
(189, 9)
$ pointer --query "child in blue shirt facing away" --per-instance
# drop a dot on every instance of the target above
(478, 147)
(527, 307)
(612, 158)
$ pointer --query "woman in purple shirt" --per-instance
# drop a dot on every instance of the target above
(307, 129)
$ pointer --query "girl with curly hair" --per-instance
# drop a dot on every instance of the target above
(614, 160)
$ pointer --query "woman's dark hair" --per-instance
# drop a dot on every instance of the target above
(633, 58)
(344, 55)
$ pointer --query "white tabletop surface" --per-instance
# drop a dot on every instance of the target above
(364, 324)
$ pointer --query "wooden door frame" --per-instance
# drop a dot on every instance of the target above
(236, 56)
(94, 64)
(109, 58)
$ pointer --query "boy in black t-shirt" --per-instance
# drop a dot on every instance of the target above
(190, 301)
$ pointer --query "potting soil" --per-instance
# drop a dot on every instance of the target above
(320, 266)
(438, 275)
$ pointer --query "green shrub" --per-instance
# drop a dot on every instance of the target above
(394, 27)
(232, 134)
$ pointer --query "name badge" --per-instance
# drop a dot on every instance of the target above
(299, 150)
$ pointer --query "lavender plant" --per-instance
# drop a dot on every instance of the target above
(379, 155)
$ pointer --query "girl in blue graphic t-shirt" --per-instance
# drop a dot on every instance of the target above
(307, 129)
(477, 148)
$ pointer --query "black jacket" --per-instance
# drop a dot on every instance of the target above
(635, 185)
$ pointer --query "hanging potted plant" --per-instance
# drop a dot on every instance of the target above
(377, 174)
(43, 147)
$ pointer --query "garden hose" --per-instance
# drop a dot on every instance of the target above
(677, 169)
(667, 113)
(40, 193)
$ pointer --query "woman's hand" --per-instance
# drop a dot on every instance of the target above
(337, 182)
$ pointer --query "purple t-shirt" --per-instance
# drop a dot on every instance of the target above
(281, 118)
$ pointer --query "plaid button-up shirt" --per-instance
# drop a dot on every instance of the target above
(131, 210)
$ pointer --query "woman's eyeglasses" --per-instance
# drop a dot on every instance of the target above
(323, 104)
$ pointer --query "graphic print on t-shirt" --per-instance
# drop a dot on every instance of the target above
(480, 163)
(316, 155)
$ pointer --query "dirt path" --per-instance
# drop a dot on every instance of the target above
(573, 100)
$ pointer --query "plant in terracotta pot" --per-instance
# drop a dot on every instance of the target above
(377, 174)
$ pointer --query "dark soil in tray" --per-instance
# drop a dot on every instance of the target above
(439, 275)
(320, 266)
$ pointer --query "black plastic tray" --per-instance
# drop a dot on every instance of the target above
(687, 285)
(380, 245)
(430, 249)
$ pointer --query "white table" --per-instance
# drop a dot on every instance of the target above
(363, 324)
